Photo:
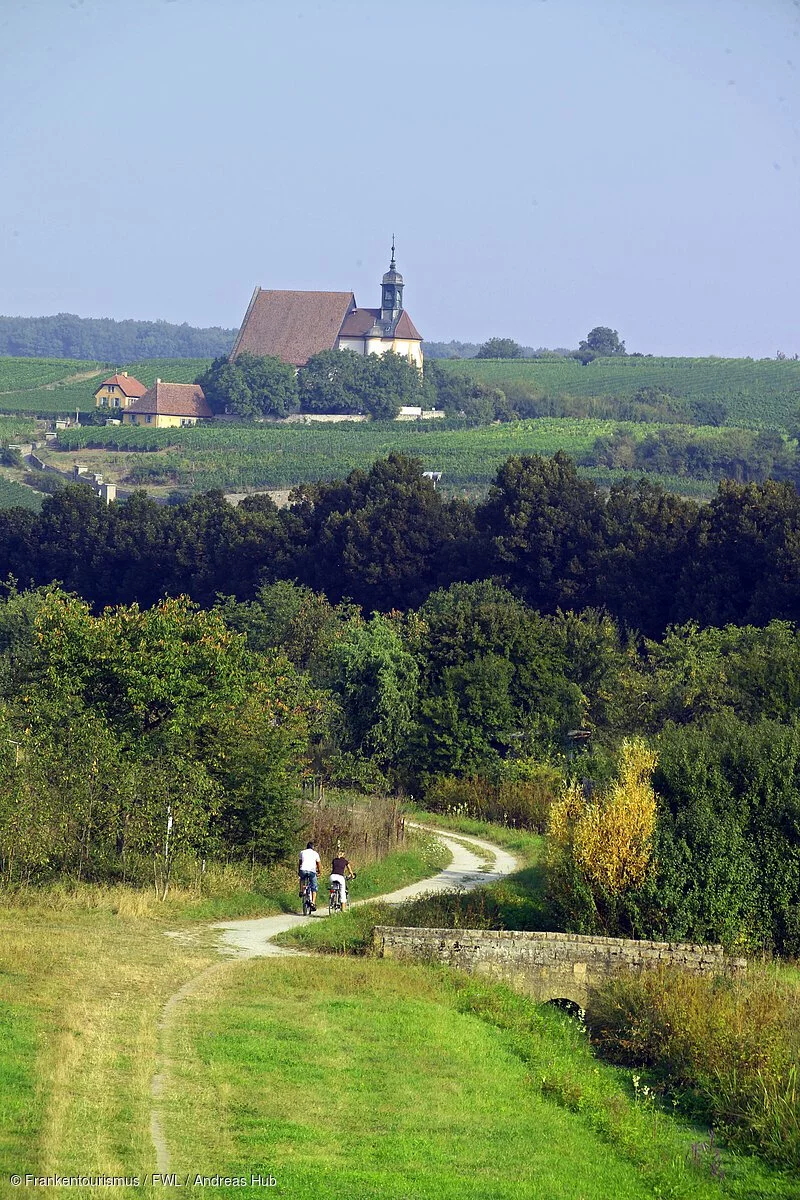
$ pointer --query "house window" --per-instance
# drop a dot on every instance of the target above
(148, 419)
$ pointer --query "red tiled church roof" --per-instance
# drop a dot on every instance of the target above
(173, 400)
(359, 322)
(127, 383)
(292, 325)
(405, 328)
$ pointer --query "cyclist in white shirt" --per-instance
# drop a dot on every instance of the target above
(309, 866)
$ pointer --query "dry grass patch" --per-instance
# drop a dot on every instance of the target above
(88, 988)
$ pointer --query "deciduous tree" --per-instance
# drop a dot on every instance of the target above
(499, 347)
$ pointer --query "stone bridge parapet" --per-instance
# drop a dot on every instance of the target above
(548, 966)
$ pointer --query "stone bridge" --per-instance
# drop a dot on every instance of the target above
(548, 966)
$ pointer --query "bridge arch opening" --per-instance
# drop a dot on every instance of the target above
(565, 1005)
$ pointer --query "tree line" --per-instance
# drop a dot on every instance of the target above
(385, 539)
(102, 339)
(334, 381)
(342, 382)
(740, 454)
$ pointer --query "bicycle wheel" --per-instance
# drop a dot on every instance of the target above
(306, 903)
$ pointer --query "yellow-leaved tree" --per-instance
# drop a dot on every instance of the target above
(602, 845)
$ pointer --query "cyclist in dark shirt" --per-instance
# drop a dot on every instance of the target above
(341, 871)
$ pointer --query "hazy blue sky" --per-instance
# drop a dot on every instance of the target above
(546, 165)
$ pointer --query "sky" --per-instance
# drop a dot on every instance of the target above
(545, 165)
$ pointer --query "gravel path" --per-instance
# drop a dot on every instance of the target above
(250, 938)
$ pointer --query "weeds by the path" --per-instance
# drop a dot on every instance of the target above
(727, 1050)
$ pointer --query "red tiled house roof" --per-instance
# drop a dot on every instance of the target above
(292, 325)
(173, 400)
(126, 383)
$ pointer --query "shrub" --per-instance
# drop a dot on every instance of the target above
(367, 828)
(726, 1049)
(520, 803)
(600, 847)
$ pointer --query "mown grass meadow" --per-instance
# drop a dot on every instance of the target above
(384, 1080)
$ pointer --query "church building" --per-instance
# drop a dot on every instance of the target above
(293, 326)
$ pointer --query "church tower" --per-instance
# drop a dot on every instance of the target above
(391, 295)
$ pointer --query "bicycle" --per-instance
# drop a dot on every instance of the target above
(335, 897)
(305, 896)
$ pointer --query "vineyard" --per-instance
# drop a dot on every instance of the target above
(60, 387)
(16, 429)
(237, 458)
(26, 374)
(757, 393)
(763, 393)
(16, 495)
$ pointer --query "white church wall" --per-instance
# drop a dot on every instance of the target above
(354, 344)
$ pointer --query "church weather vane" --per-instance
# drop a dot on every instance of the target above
(391, 264)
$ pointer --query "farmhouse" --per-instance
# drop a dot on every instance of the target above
(118, 391)
(293, 326)
(169, 404)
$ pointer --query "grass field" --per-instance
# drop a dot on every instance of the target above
(386, 1081)
(84, 973)
(756, 393)
(336, 1075)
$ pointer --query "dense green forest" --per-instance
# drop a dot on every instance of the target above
(385, 538)
(469, 693)
(106, 340)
